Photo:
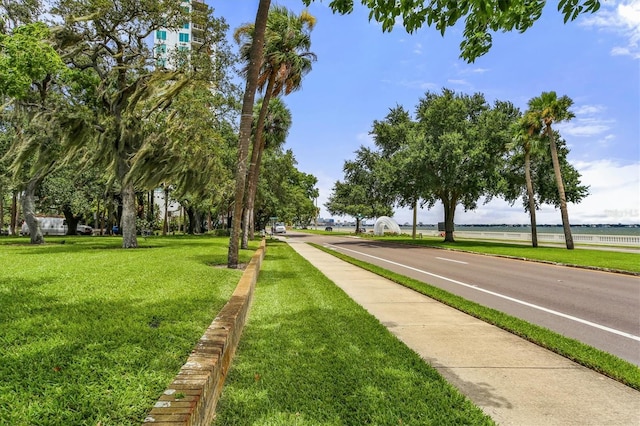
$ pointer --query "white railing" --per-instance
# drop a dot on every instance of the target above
(626, 240)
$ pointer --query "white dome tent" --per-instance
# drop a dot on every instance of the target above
(385, 222)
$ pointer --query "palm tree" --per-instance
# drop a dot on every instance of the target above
(286, 60)
(246, 118)
(527, 129)
(277, 123)
(548, 108)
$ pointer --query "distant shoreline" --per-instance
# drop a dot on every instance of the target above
(600, 229)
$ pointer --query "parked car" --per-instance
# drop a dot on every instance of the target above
(48, 226)
(84, 230)
(280, 229)
(328, 228)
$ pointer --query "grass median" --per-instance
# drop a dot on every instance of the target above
(603, 362)
(310, 355)
(92, 333)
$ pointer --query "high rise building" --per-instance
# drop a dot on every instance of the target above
(187, 38)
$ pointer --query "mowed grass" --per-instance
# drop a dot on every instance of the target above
(92, 334)
(580, 256)
(603, 362)
(310, 355)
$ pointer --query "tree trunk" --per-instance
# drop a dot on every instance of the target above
(28, 207)
(96, 222)
(101, 213)
(140, 205)
(1, 210)
(449, 213)
(165, 226)
(256, 159)
(13, 223)
(246, 119)
(530, 197)
(128, 220)
(151, 212)
(72, 221)
(415, 219)
(197, 219)
(191, 214)
(110, 215)
(563, 198)
(252, 224)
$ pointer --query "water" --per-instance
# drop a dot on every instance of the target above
(633, 230)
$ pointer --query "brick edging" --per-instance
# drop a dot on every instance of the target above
(192, 396)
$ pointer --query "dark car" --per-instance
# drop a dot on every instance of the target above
(328, 228)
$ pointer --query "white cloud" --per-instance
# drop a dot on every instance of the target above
(459, 82)
(614, 197)
(413, 84)
(589, 110)
(590, 121)
(475, 71)
(585, 128)
(622, 18)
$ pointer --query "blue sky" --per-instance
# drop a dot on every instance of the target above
(362, 72)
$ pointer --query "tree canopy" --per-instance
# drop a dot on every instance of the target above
(481, 17)
(362, 194)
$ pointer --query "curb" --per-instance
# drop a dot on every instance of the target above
(192, 396)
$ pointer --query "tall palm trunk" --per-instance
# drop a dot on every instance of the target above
(530, 195)
(254, 167)
(563, 198)
(246, 120)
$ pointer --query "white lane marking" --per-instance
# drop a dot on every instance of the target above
(511, 299)
(451, 260)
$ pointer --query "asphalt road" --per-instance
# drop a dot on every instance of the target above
(601, 309)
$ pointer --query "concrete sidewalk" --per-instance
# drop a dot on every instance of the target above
(511, 379)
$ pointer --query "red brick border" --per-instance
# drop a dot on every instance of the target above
(192, 396)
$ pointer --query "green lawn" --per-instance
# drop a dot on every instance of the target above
(310, 355)
(92, 334)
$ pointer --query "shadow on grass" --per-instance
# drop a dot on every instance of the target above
(76, 244)
(93, 360)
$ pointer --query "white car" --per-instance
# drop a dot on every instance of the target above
(280, 229)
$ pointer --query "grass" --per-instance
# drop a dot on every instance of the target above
(603, 259)
(603, 362)
(310, 355)
(92, 334)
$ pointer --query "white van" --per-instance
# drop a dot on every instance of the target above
(48, 226)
